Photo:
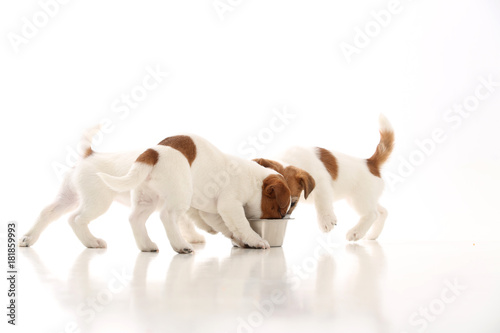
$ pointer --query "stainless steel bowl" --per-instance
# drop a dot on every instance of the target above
(272, 230)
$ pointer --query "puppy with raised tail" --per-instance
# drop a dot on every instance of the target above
(179, 173)
(338, 176)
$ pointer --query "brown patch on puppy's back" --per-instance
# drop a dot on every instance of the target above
(182, 143)
(149, 157)
(88, 152)
(329, 161)
(275, 197)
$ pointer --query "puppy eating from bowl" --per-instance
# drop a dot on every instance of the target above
(171, 177)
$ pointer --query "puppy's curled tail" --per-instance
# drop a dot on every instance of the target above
(139, 171)
(85, 144)
(384, 148)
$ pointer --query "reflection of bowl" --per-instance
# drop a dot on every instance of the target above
(272, 230)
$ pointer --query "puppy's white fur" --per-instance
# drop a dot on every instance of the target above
(224, 189)
(171, 186)
(355, 183)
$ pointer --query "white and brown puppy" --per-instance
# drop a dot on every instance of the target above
(178, 173)
(338, 176)
(298, 180)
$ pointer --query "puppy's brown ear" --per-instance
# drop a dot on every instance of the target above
(275, 186)
(307, 182)
(270, 164)
(261, 161)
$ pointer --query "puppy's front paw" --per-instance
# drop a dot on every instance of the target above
(97, 244)
(195, 238)
(26, 241)
(259, 244)
(327, 222)
(184, 249)
(354, 234)
(149, 248)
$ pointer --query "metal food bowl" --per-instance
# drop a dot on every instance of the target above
(272, 230)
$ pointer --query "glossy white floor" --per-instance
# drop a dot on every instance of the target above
(324, 287)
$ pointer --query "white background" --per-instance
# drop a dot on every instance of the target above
(227, 76)
(226, 79)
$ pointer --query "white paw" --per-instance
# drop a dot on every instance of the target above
(152, 247)
(258, 244)
(184, 249)
(354, 234)
(26, 241)
(195, 238)
(327, 222)
(97, 244)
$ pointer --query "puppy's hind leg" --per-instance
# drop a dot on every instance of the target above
(91, 207)
(66, 201)
(188, 231)
(216, 222)
(169, 218)
(171, 179)
(144, 204)
(195, 216)
(378, 225)
(369, 214)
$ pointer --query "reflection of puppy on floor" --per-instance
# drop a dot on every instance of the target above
(215, 288)
(346, 299)
(365, 282)
(76, 292)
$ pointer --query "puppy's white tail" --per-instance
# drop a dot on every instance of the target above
(139, 171)
(384, 148)
(85, 144)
